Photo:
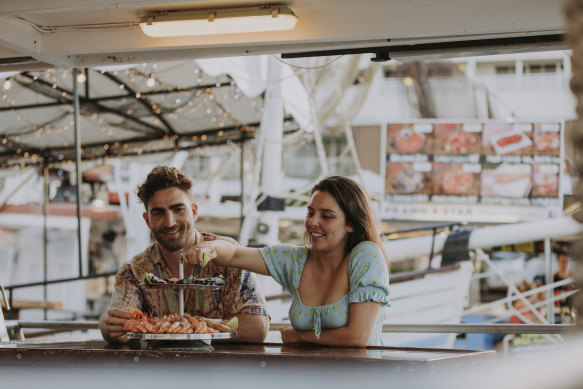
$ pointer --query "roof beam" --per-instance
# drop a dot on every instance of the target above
(448, 49)
(24, 39)
(98, 107)
(112, 97)
(144, 101)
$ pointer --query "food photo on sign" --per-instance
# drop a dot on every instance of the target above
(506, 180)
(457, 139)
(547, 139)
(409, 138)
(507, 139)
(545, 179)
(456, 179)
(408, 178)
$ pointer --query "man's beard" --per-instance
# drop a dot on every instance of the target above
(171, 244)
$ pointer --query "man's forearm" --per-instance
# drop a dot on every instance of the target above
(252, 328)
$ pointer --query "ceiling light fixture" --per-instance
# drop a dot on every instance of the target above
(219, 21)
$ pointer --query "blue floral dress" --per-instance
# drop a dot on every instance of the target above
(368, 277)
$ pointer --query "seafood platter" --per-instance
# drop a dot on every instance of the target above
(179, 330)
(154, 282)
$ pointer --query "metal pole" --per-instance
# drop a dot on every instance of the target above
(242, 178)
(45, 231)
(181, 291)
(78, 167)
(470, 328)
(271, 161)
(87, 83)
(549, 280)
(3, 330)
(405, 328)
(432, 245)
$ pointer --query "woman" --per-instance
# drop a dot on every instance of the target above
(339, 280)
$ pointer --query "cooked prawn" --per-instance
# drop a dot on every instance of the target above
(172, 324)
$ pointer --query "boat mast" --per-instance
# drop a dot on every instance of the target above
(267, 231)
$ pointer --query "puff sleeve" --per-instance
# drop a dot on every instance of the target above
(282, 261)
(368, 274)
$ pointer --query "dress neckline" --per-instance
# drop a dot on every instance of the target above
(297, 287)
(315, 307)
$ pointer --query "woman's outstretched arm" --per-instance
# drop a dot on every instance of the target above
(227, 254)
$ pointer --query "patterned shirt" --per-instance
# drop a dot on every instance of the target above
(368, 277)
(240, 295)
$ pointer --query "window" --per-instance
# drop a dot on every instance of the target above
(543, 67)
(505, 69)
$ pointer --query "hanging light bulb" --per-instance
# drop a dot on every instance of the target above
(150, 81)
(81, 78)
(7, 85)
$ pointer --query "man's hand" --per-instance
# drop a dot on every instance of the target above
(111, 325)
(252, 328)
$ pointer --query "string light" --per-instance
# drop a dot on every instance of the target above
(7, 84)
(197, 99)
(151, 81)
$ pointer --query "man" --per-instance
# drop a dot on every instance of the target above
(170, 215)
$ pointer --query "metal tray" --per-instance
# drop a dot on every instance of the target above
(218, 335)
(183, 286)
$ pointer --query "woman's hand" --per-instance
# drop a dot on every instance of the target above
(290, 335)
(226, 254)
(200, 254)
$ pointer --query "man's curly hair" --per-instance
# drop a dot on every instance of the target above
(160, 178)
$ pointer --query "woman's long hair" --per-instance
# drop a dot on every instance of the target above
(354, 202)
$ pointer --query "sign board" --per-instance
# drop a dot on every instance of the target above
(472, 171)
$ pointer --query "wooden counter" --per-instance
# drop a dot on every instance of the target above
(240, 356)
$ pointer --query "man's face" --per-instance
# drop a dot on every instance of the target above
(170, 216)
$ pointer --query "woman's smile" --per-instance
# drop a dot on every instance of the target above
(326, 222)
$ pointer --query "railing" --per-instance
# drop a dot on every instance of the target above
(435, 228)
(10, 288)
(405, 327)
(468, 328)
